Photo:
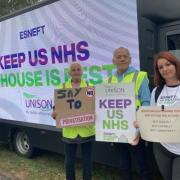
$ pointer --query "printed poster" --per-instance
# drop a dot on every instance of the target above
(115, 112)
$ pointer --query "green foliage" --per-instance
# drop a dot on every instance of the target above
(10, 6)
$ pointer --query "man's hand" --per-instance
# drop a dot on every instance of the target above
(53, 115)
(137, 134)
(136, 139)
(136, 124)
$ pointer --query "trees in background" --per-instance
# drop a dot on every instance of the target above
(9, 6)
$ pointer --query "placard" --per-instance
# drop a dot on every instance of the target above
(115, 112)
(159, 125)
(74, 106)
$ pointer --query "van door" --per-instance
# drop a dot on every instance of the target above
(148, 46)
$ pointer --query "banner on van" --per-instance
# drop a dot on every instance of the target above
(38, 46)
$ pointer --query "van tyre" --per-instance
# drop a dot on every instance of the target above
(22, 145)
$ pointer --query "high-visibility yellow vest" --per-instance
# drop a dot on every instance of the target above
(83, 131)
(136, 77)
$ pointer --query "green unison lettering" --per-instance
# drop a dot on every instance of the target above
(109, 138)
(115, 124)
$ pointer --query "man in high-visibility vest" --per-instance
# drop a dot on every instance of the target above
(125, 73)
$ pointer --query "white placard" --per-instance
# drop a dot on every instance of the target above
(159, 125)
(115, 112)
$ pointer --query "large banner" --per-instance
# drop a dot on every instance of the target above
(37, 47)
(159, 124)
(115, 112)
(74, 106)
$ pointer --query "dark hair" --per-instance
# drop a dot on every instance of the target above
(158, 79)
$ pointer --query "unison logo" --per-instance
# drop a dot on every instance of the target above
(35, 102)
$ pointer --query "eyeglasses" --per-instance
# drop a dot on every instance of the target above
(74, 69)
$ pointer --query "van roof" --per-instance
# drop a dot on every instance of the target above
(160, 11)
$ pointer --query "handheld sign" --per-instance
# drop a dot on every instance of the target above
(75, 106)
(115, 112)
(159, 124)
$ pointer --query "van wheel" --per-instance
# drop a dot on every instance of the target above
(22, 145)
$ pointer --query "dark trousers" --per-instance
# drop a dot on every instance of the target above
(168, 162)
(70, 157)
(139, 155)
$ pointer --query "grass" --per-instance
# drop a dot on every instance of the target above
(47, 166)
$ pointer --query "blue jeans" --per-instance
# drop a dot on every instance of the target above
(70, 157)
(139, 154)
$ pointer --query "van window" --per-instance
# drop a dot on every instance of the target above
(173, 44)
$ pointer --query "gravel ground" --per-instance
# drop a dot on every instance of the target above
(7, 176)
